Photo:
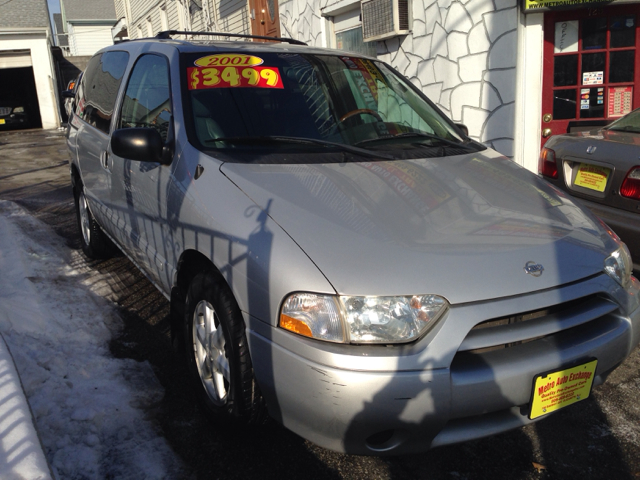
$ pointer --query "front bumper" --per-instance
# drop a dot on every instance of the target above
(406, 399)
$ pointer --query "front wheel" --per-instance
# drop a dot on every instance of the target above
(95, 243)
(218, 354)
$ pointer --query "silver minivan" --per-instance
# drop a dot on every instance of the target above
(337, 253)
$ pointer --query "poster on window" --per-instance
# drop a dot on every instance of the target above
(566, 39)
(593, 78)
(620, 101)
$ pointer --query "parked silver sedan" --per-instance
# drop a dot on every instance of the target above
(337, 252)
(601, 168)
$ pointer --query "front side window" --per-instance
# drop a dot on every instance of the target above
(246, 101)
(99, 88)
(147, 100)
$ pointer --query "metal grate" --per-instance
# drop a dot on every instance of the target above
(526, 327)
(403, 14)
(377, 18)
(5, 110)
(384, 18)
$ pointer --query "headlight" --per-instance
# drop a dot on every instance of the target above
(619, 265)
(348, 319)
(18, 110)
(311, 315)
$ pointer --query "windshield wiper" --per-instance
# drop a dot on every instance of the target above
(301, 140)
(423, 135)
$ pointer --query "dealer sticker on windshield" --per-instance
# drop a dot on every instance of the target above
(592, 177)
(229, 71)
(556, 390)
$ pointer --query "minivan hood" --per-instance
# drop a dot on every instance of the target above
(462, 227)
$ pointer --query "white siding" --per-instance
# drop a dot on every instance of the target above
(233, 16)
(197, 22)
(221, 15)
(139, 9)
(172, 14)
(88, 39)
(120, 10)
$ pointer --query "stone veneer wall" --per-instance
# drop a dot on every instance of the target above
(461, 54)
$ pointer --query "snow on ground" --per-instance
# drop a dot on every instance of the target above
(87, 405)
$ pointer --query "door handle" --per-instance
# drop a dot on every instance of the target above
(104, 160)
(546, 132)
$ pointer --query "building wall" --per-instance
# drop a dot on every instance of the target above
(88, 39)
(38, 44)
(180, 15)
(461, 54)
(233, 16)
(120, 9)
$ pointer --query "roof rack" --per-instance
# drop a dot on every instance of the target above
(166, 35)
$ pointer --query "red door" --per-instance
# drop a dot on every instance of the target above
(591, 71)
(265, 19)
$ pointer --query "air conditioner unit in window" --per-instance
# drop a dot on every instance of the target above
(382, 19)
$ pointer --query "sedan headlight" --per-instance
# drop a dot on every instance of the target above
(18, 110)
(356, 319)
(619, 265)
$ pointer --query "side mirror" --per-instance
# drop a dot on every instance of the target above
(463, 128)
(68, 94)
(142, 144)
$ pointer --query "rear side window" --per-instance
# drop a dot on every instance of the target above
(99, 88)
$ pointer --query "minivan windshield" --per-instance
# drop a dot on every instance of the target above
(257, 101)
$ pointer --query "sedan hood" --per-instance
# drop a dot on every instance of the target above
(463, 227)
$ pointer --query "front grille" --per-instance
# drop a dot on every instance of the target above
(496, 363)
(5, 110)
(528, 326)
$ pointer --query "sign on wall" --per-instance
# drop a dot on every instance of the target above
(535, 6)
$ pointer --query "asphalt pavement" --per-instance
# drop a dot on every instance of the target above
(598, 438)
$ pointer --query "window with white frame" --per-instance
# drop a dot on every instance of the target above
(347, 33)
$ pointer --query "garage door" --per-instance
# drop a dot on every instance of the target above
(15, 59)
(18, 96)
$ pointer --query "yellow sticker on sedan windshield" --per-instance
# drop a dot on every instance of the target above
(228, 60)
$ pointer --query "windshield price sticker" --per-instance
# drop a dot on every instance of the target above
(559, 389)
(231, 77)
(228, 60)
(592, 177)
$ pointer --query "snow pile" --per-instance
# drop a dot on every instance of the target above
(88, 406)
(20, 454)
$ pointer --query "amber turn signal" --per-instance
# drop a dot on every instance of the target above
(294, 325)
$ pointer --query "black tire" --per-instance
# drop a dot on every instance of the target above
(95, 243)
(217, 353)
